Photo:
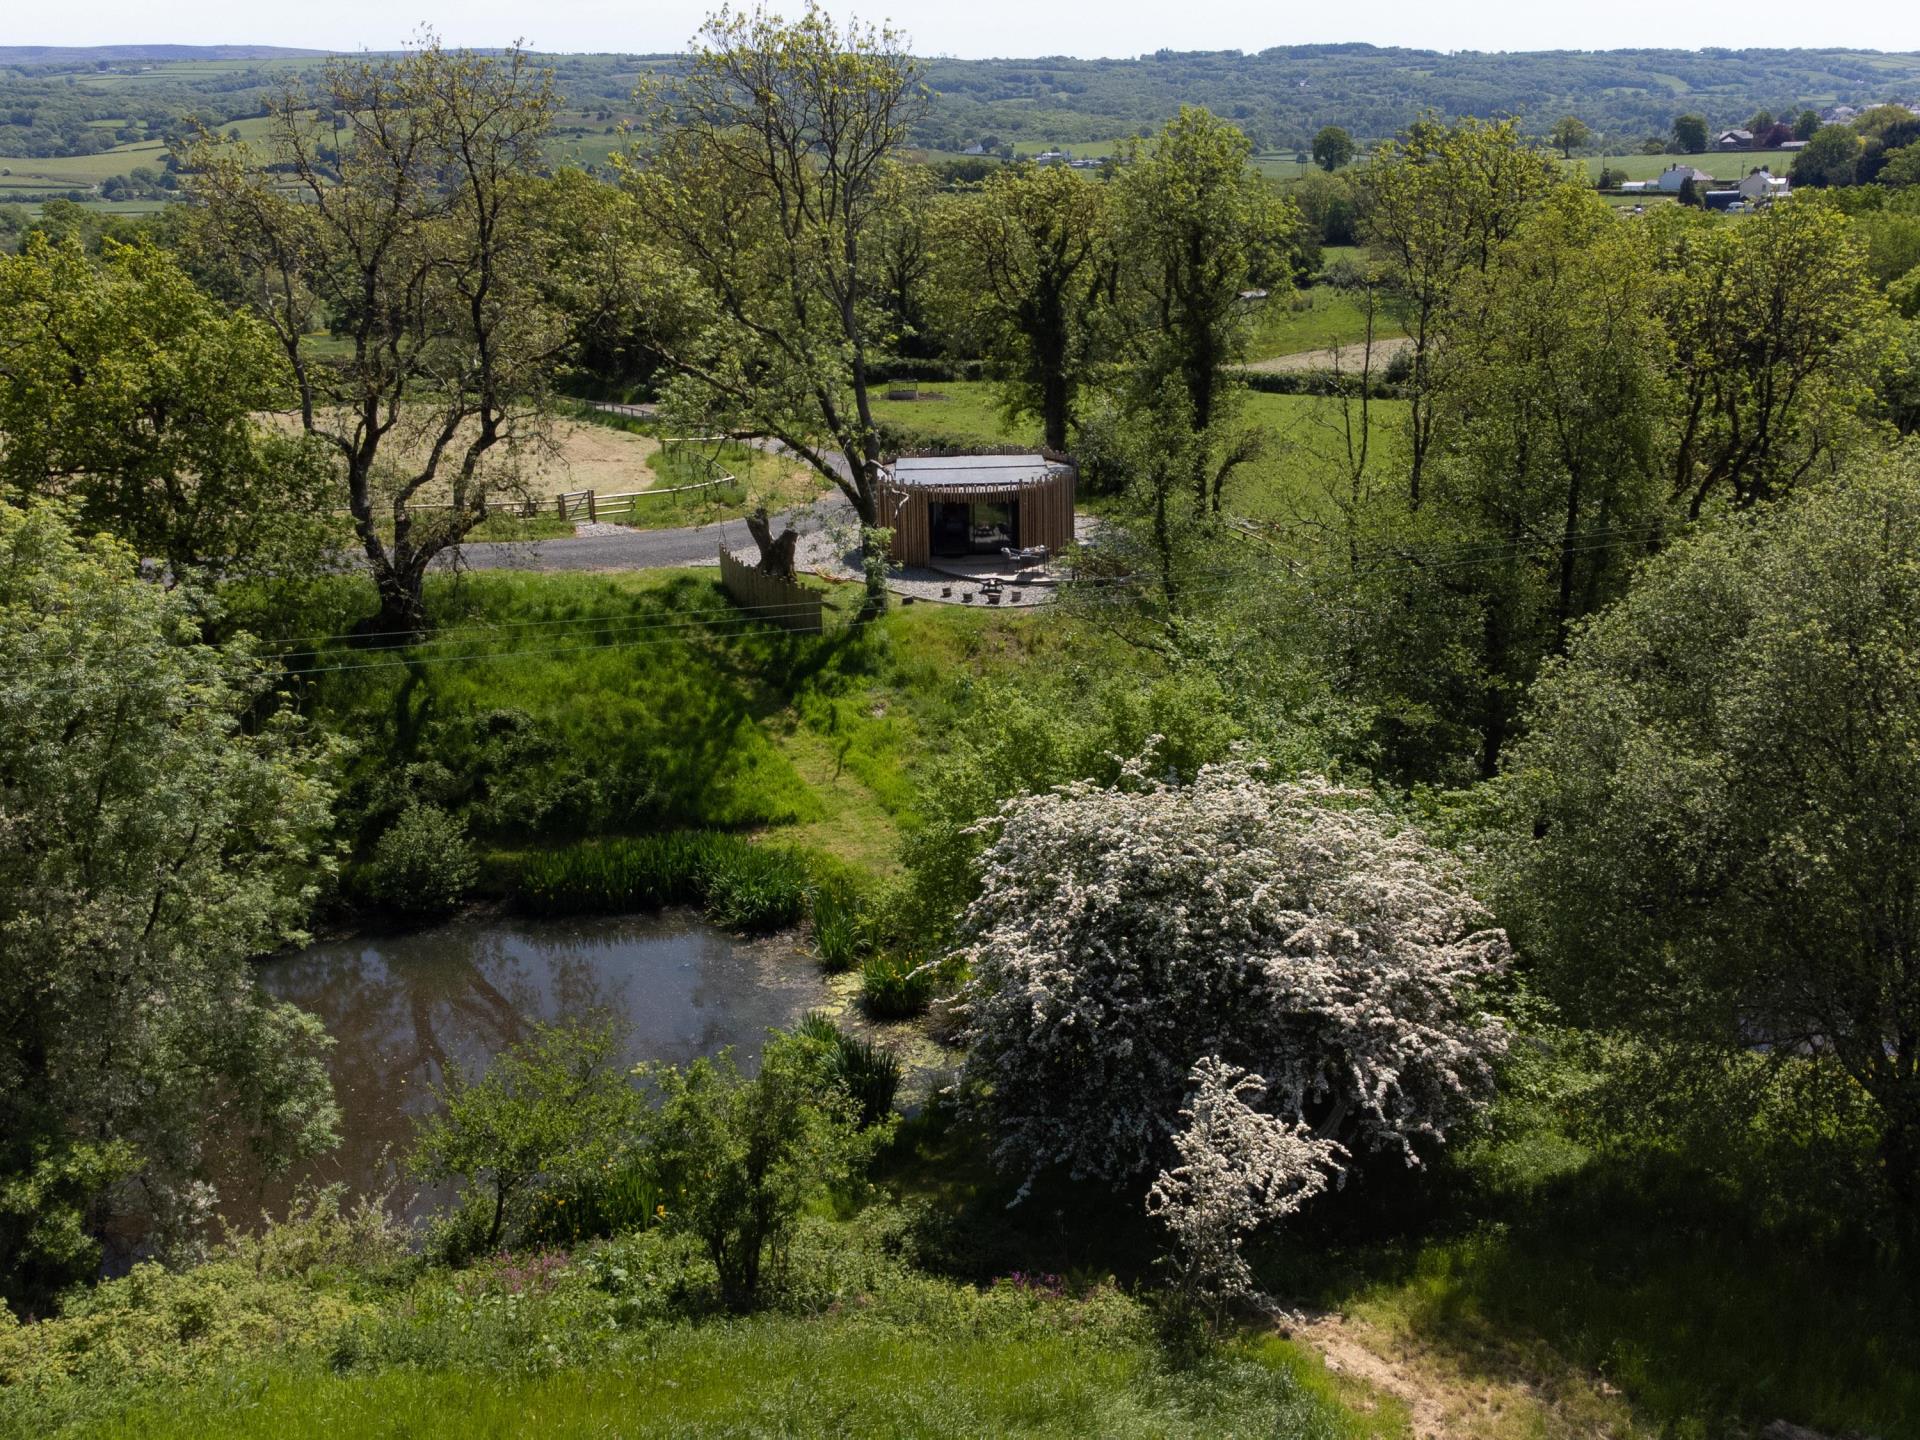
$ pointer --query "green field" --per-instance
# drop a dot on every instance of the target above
(1313, 319)
(1730, 166)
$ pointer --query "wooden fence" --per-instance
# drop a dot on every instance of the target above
(770, 597)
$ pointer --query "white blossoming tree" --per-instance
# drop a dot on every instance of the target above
(1291, 928)
(1239, 1169)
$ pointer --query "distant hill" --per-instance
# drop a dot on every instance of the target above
(146, 54)
(1281, 96)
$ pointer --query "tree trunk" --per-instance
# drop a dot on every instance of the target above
(402, 616)
(776, 553)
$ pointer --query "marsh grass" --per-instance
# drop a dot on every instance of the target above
(741, 885)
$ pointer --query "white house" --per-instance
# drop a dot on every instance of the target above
(1762, 186)
(1674, 176)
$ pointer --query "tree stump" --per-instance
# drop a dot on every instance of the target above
(776, 555)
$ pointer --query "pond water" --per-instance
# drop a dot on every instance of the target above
(403, 1009)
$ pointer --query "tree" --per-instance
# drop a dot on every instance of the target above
(1124, 934)
(413, 232)
(1806, 125)
(1760, 123)
(1332, 148)
(739, 1158)
(1711, 841)
(1434, 207)
(1690, 194)
(1239, 1168)
(1776, 335)
(772, 165)
(1902, 168)
(1550, 426)
(1196, 227)
(1690, 133)
(127, 390)
(1570, 133)
(1027, 274)
(156, 836)
(1829, 159)
(547, 1115)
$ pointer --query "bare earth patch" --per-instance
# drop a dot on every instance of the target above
(1484, 1392)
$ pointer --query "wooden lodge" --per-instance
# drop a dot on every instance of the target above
(951, 506)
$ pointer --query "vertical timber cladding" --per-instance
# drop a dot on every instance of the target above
(1041, 486)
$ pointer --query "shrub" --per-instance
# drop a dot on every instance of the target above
(894, 986)
(739, 1158)
(1295, 929)
(865, 1069)
(546, 1121)
(424, 863)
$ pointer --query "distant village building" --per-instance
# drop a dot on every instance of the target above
(975, 149)
(1051, 157)
(1735, 140)
(1762, 187)
(1674, 176)
(1839, 115)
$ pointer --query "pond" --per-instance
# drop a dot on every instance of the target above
(403, 1009)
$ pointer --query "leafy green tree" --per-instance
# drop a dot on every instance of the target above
(1332, 148)
(1806, 125)
(411, 228)
(155, 838)
(1550, 474)
(771, 167)
(128, 391)
(1434, 207)
(545, 1118)
(738, 1158)
(1902, 168)
(1690, 133)
(1712, 840)
(1027, 273)
(1570, 133)
(1760, 122)
(1776, 335)
(1196, 228)
(1829, 159)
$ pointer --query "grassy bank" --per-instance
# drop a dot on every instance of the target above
(545, 709)
(607, 1341)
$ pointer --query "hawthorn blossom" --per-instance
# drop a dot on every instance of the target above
(1291, 928)
(1239, 1169)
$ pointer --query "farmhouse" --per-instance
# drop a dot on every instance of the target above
(1763, 186)
(1734, 140)
(951, 506)
(1674, 176)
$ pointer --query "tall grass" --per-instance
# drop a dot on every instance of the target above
(867, 1070)
(741, 886)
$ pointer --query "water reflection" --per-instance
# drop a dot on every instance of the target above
(403, 1010)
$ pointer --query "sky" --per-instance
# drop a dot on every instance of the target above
(998, 27)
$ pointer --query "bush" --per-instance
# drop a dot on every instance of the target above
(739, 1158)
(547, 1122)
(895, 986)
(1293, 929)
(865, 1069)
(424, 863)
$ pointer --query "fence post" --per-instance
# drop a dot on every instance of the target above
(560, 506)
(593, 512)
